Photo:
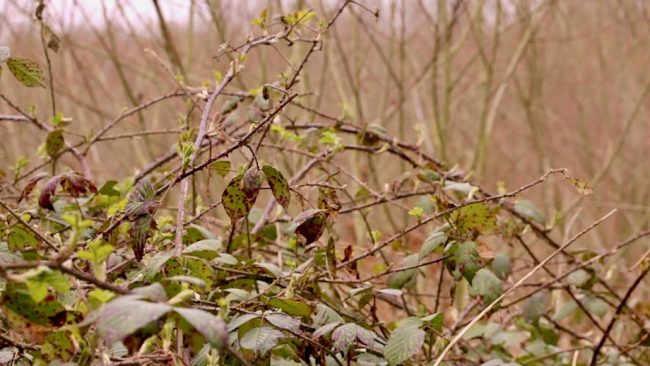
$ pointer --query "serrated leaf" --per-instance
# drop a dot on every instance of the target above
(54, 142)
(141, 230)
(324, 330)
(291, 306)
(142, 200)
(368, 359)
(210, 326)
(487, 285)
(434, 240)
(207, 249)
(344, 336)
(530, 211)
(279, 185)
(27, 71)
(261, 339)
(404, 341)
(283, 321)
(125, 315)
(325, 315)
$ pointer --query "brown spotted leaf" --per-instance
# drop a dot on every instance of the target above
(26, 71)
(235, 201)
(279, 185)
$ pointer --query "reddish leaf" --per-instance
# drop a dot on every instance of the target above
(45, 200)
(72, 183)
(31, 184)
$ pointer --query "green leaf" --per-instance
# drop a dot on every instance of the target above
(290, 306)
(235, 201)
(501, 265)
(221, 167)
(210, 326)
(528, 210)
(37, 290)
(435, 320)
(402, 278)
(565, 310)
(142, 200)
(48, 312)
(325, 315)
(26, 71)
(579, 278)
(467, 260)
(434, 240)
(20, 237)
(54, 143)
(140, 230)
(476, 218)
(535, 306)
(324, 330)
(344, 336)
(368, 359)
(279, 185)
(208, 249)
(595, 306)
(261, 339)
(404, 341)
(125, 315)
(487, 285)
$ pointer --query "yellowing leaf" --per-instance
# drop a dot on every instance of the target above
(26, 71)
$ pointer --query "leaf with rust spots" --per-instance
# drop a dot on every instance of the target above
(235, 201)
(27, 71)
(279, 185)
(475, 219)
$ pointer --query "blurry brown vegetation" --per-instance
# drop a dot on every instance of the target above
(504, 89)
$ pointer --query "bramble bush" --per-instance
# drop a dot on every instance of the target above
(157, 269)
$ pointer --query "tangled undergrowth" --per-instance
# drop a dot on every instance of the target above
(116, 273)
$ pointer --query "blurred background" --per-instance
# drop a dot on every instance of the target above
(505, 89)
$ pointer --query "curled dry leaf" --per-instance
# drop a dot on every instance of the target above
(72, 183)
